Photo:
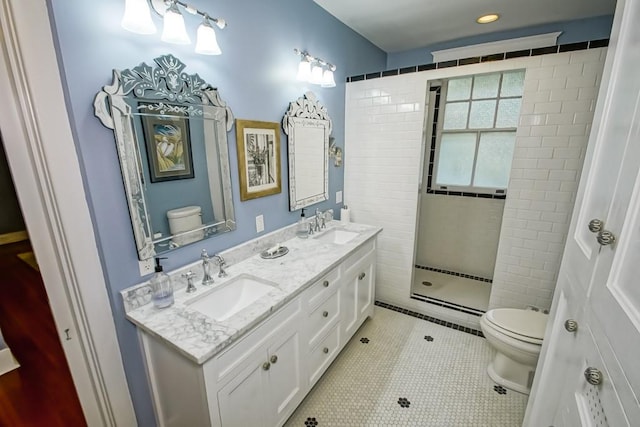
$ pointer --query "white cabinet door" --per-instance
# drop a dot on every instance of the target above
(598, 275)
(268, 385)
(349, 304)
(242, 401)
(366, 283)
(357, 297)
(284, 386)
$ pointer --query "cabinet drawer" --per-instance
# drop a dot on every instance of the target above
(323, 317)
(317, 292)
(354, 259)
(321, 356)
(231, 358)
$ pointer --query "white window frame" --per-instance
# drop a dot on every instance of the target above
(478, 131)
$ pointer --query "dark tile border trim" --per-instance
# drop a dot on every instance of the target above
(569, 47)
(453, 273)
(446, 304)
(430, 319)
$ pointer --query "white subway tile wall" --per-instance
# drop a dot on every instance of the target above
(383, 150)
(459, 234)
(538, 210)
(382, 164)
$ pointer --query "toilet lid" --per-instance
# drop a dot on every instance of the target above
(526, 323)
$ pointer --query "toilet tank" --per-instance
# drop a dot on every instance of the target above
(182, 220)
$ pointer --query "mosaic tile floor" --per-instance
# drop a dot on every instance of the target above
(398, 370)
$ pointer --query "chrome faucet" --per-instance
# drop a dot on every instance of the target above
(190, 286)
(206, 266)
(221, 263)
(317, 220)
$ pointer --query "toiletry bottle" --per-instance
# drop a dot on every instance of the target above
(161, 287)
(302, 229)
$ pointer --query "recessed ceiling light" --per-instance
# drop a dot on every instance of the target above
(486, 19)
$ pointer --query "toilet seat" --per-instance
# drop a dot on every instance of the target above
(523, 325)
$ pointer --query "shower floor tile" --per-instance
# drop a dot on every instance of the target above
(410, 372)
(454, 289)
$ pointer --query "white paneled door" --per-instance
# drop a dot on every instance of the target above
(589, 371)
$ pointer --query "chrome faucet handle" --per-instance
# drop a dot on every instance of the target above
(221, 263)
(317, 220)
(206, 266)
(310, 228)
(190, 286)
(322, 223)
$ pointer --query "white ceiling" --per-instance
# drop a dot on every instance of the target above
(398, 25)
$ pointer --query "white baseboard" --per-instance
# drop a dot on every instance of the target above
(7, 361)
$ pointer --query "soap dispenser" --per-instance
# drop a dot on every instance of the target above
(302, 229)
(162, 290)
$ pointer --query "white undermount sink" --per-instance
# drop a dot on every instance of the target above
(337, 236)
(231, 297)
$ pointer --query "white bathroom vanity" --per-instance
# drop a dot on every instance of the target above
(222, 356)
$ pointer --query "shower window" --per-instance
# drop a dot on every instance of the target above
(475, 137)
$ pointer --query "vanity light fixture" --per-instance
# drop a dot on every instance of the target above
(173, 29)
(207, 42)
(488, 18)
(315, 70)
(316, 74)
(137, 19)
(304, 68)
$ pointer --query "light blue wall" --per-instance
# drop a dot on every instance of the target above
(255, 75)
(572, 32)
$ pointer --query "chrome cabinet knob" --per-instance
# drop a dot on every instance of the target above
(274, 359)
(266, 366)
(605, 238)
(325, 283)
(325, 313)
(361, 276)
(571, 325)
(593, 376)
(325, 350)
(596, 225)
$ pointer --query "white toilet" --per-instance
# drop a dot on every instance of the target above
(517, 337)
(185, 219)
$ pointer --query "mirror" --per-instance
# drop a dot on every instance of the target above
(171, 134)
(308, 126)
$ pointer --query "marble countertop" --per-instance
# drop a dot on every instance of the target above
(200, 337)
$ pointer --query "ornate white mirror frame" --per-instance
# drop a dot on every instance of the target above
(307, 125)
(165, 93)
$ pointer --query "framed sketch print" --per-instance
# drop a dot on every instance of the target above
(258, 158)
(168, 147)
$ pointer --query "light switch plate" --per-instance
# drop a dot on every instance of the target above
(338, 196)
(259, 224)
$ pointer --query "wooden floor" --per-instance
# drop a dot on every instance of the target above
(41, 391)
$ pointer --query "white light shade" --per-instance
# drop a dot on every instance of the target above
(327, 79)
(173, 30)
(316, 75)
(304, 70)
(207, 43)
(137, 17)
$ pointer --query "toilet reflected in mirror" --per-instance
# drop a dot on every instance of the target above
(181, 223)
